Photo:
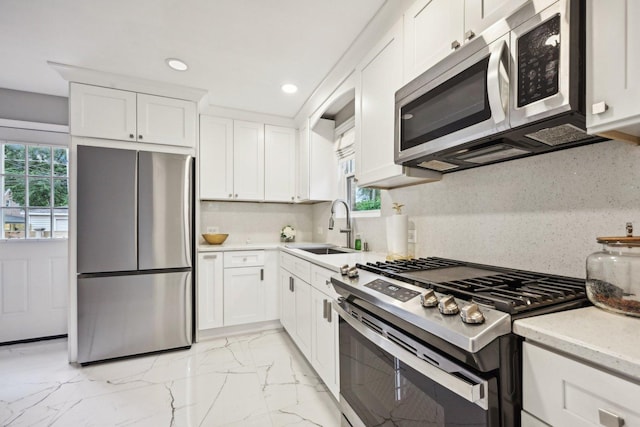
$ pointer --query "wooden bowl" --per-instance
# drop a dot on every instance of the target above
(215, 239)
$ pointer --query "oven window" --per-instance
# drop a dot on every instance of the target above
(383, 391)
(458, 103)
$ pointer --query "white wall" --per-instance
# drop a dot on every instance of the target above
(256, 222)
(540, 213)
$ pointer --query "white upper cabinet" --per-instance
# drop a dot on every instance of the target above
(481, 14)
(216, 158)
(99, 112)
(248, 160)
(279, 163)
(613, 66)
(432, 30)
(166, 120)
(435, 28)
(378, 77)
(317, 163)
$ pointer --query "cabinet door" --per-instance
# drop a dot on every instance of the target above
(432, 28)
(323, 163)
(613, 66)
(99, 112)
(244, 295)
(302, 171)
(302, 291)
(479, 15)
(380, 76)
(166, 121)
(210, 286)
(287, 302)
(216, 158)
(279, 164)
(248, 160)
(324, 353)
(271, 285)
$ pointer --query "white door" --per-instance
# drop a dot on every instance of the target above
(271, 285)
(100, 112)
(479, 15)
(303, 165)
(248, 160)
(302, 291)
(279, 164)
(324, 338)
(34, 284)
(287, 302)
(244, 295)
(210, 290)
(166, 121)
(216, 158)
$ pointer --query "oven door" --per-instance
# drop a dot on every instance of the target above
(468, 101)
(384, 383)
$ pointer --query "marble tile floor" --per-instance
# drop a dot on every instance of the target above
(252, 380)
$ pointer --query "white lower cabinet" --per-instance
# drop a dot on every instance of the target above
(237, 288)
(308, 317)
(561, 391)
(210, 288)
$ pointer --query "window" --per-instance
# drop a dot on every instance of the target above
(362, 201)
(35, 191)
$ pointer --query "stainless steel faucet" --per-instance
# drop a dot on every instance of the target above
(342, 230)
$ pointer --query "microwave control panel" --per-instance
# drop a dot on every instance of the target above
(539, 62)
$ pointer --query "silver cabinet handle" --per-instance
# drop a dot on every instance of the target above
(262, 274)
(131, 136)
(469, 35)
(455, 44)
(291, 283)
(328, 304)
(236, 195)
(139, 136)
(599, 108)
(230, 196)
(210, 257)
(609, 419)
(324, 308)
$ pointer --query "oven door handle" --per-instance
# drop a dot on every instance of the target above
(474, 393)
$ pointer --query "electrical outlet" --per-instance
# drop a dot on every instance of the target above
(411, 238)
(213, 230)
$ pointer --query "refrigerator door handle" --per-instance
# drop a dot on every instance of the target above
(136, 192)
(187, 209)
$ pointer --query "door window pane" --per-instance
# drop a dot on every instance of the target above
(39, 161)
(40, 192)
(60, 161)
(13, 193)
(60, 193)
(13, 222)
(60, 224)
(39, 223)
(14, 159)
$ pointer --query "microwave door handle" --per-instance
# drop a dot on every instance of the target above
(497, 83)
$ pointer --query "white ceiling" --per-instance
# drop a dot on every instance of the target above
(241, 51)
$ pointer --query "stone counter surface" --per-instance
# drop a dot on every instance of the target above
(606, 339)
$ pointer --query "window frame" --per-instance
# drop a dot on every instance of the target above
(55, 213)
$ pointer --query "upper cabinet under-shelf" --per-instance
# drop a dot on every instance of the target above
(99, 112)
(613, 64)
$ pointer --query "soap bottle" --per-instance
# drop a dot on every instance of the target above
(358, 244)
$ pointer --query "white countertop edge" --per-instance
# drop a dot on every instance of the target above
(204, 247)
(608, 340)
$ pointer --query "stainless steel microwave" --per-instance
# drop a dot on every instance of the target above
(516, 90)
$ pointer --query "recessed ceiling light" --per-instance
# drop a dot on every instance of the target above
(176, 64)
(289, 88)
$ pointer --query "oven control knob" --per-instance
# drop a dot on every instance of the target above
(344, 270)
(470, 313)
(448, 305)
(352, 273)
(429, 299)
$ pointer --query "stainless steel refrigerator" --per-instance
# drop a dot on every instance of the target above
(134, 252)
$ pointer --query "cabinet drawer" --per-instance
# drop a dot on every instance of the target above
(243, 259)
(564, 392)
(321, 280)
(297, 266)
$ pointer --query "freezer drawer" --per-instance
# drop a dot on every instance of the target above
(126, 315)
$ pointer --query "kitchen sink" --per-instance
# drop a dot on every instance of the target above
(319, 248)
(326, 251)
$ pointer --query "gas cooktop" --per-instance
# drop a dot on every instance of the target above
(507, 290)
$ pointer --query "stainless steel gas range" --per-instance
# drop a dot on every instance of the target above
(428, 341)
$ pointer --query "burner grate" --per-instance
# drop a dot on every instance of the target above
(511, 291)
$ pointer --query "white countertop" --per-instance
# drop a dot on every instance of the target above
(331, 262)
(606, 339)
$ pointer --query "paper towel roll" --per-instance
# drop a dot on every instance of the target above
(397, 234)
